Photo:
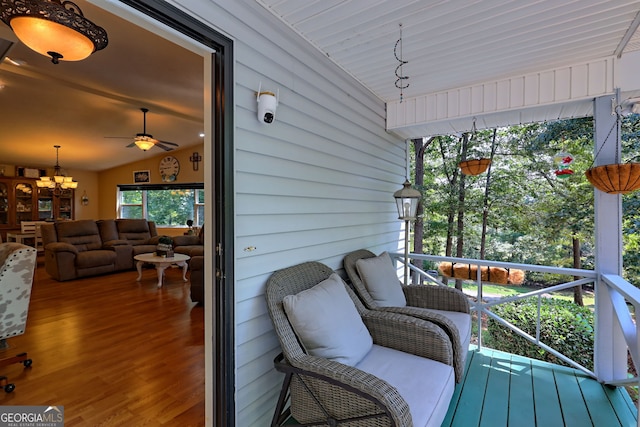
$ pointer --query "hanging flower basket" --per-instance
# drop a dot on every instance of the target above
(474, 167)
(618, 178)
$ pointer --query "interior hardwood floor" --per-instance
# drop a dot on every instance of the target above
(112, 351)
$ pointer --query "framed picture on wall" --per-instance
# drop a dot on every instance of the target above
(141, 176)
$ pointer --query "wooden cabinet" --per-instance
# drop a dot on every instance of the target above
(52, 207)
(24, 208)
(4, 204)
(22, 200)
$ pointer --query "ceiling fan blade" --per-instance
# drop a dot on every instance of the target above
(169, 143)
(164, 147)
(133, 144)
(117, 137)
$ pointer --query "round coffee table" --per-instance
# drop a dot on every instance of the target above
(161, 264)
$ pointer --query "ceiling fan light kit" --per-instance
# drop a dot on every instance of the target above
(145, 141)
(54, 28)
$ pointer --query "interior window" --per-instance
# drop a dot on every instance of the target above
(167, 207)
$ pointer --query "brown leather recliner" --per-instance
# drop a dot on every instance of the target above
(84, 248)
(74, 249)
(191, 245)
(196, 265)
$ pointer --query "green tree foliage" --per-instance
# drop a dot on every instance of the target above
(564, 326)
(533, 216)
(173, 207)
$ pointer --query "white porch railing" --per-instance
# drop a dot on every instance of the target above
(621, 293)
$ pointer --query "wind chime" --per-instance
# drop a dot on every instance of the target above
(563, 161)
(401, 78)
(474, 166)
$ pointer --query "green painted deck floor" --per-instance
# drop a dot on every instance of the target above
(502, 389)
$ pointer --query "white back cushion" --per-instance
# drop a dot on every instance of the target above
(327, 322)
(381, 280)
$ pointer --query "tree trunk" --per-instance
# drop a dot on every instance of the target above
(577, 291)
(451, 208)
(461, 198)
(419, 147)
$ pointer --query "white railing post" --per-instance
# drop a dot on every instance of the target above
(479, 305)
(610, 352)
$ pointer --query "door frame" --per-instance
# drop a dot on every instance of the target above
(219, 240)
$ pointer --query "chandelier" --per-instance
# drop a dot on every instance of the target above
(54, 28)
(58, 181)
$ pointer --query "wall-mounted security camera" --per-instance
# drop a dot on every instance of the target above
(267, 104)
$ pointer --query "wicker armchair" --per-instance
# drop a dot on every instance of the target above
(325, 392)
(442, 305)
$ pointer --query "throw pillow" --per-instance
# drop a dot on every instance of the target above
(381, 280)
(327, 322)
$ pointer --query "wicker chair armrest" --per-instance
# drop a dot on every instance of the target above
(436, 297)
(353, 380)
(447, 326)
(410, 335)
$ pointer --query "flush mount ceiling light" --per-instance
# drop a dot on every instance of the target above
(54, 28)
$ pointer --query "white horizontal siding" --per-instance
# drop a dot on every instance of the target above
(314, 185)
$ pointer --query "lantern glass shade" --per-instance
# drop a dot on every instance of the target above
(407, 201)
(44, 36)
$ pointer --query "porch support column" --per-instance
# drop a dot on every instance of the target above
(610, 358)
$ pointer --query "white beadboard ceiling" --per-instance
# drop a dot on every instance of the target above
(458, 43)
(448, 44)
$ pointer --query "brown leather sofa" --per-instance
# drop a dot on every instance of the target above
(194, 247)
(191, 245)
(83, 248)
(196, 265)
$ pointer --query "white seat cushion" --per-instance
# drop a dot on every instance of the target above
(381, 280)
(462, 321)
(426, 385)
(326, 321)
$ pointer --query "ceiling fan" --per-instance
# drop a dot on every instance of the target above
(145, 141)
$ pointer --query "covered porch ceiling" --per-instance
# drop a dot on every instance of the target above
(501, 62)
